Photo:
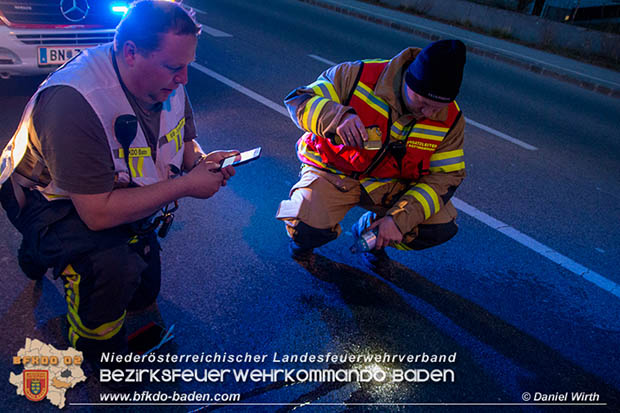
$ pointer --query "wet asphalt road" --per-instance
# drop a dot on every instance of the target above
(517, 321)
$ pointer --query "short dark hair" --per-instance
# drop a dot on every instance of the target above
(147, 20)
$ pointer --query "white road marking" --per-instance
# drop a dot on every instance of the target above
(322, 59)
(501, 135)
(536, 246)
(472, 122)
(526, 241)
(214, 32)
(211, 30)
(198, 10)
(249, 93)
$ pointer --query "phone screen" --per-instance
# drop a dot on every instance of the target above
(243, 157)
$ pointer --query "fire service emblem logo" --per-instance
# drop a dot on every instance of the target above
(36, 384)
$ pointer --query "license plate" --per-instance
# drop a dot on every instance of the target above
(56, 55)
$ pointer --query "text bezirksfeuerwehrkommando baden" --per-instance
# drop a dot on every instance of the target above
(292, 375)
(343, 368)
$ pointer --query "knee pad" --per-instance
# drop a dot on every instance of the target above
(309, 237)
(431, 235)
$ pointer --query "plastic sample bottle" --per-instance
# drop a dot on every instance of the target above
(365, 242)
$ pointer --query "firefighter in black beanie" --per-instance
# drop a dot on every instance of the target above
(385, 135)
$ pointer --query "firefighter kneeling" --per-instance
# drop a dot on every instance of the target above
(386, 135)
(91, 163)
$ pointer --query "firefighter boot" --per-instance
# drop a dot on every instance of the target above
(305, 238)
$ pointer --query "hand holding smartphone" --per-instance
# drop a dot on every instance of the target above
(242, 158)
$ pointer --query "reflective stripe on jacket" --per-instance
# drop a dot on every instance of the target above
(92, 74)
(418, 141)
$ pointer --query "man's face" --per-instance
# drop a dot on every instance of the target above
(419, 106)
(160, 72)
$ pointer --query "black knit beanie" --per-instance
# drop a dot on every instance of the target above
(437, 71)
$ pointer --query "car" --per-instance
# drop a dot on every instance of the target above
(37, 36)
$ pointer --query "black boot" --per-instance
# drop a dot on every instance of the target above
(305, 238)
(298, 252)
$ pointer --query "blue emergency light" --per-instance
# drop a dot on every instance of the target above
(119, 8)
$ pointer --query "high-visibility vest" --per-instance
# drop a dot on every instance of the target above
(92, 74)
(416, 141)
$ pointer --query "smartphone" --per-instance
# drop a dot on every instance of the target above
(145, 338)
(243, 157)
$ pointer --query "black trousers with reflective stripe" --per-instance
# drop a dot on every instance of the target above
(117, 271)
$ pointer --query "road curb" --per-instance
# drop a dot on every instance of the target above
(480, 51)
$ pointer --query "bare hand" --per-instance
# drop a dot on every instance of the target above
(202, 181)
(352, 131)
(388, 232)
(217, 156)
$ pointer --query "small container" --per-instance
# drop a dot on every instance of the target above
(365, 242)
(373, 143)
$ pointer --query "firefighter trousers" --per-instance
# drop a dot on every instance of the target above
(105, 273)
(319, 201)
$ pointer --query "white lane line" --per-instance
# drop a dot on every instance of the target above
(322, 59)
(464, 207)
(484, 45)
(198, 10)
(249, 93)
(214, 32)
(472, 122)
(545, 251)
(501, 135)
(211, 30)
